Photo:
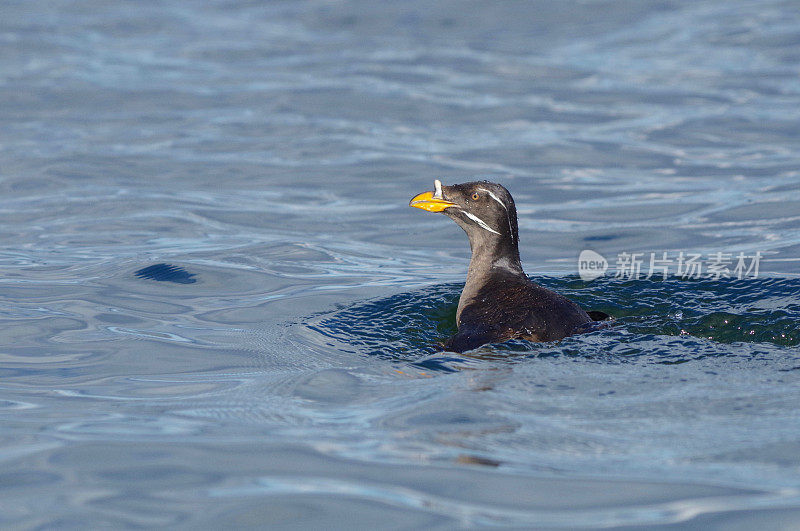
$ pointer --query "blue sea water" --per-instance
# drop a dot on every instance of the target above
(217, 310)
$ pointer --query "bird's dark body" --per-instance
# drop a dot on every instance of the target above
(499, 302)
(509, 306)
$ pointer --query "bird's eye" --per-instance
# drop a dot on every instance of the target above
(475, 196)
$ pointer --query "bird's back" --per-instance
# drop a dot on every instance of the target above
(508, 306)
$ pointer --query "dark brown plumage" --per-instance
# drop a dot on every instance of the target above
(499, 302)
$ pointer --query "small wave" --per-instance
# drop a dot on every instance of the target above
(662, 321)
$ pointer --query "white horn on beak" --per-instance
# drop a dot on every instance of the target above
(437, 184)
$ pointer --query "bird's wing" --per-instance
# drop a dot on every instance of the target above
(470, 337)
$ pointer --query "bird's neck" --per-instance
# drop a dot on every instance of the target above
(488, 258)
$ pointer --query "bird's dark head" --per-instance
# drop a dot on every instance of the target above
(485, 211)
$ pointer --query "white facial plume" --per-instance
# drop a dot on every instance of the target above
(479, 221)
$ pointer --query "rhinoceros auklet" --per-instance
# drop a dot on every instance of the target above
(499, 302)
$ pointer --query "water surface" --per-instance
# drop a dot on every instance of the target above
(281, 369)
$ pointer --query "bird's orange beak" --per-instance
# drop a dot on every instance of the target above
(431, 201)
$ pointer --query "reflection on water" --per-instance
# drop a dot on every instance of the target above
(166, 273)
(217, 310)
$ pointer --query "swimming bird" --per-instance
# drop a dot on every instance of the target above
(499, 302)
